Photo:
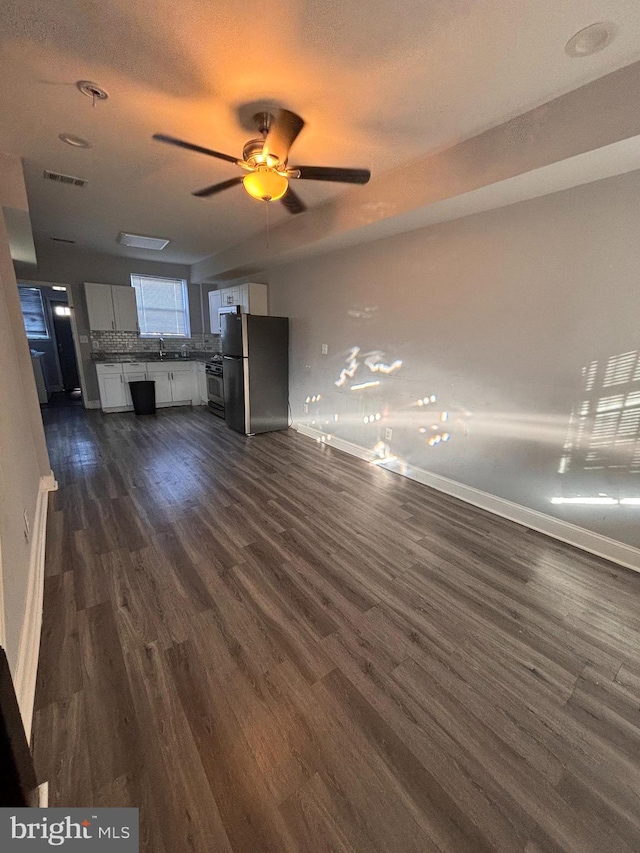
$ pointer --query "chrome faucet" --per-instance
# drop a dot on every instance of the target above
(161, 349)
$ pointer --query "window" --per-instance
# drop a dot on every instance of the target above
(163, 306)
(35, 323)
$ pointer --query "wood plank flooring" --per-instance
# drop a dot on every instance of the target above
(271, 647)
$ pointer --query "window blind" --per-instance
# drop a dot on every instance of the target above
(163, 306)
(35, 323)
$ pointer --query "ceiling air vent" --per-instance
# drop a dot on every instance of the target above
(141, 241)
(64, 179)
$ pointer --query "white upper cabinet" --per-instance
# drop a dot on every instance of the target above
(251, 297)
(100, 307)
(111, 308)
(215, 303)
(124, 309)
(230, 296)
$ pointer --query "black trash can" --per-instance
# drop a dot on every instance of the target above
(143, 396)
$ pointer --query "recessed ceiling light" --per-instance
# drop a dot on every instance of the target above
(140, 241)
(92, 90)
(590, 40)
(76, 141)
(58, 287)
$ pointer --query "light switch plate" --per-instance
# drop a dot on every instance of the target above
(325, 349)
(388, 433)
(84, 339)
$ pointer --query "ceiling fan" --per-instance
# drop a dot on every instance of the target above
(265, 160)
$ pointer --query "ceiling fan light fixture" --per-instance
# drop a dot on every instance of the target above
(265, 184)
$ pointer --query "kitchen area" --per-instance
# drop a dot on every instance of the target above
(237, 366)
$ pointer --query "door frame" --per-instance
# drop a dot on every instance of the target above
(74, 330)
(54, 335)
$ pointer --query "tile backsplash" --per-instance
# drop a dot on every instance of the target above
(104, 342)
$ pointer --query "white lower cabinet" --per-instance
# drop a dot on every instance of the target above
(183, 380)
(162, 377)
(111, 384)
(176, 383)
(136, 372)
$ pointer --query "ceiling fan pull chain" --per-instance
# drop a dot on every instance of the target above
(267, 207)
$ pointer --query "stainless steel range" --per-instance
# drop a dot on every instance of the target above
(215, 387)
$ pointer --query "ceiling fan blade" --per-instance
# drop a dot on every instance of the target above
(293, 202)
(282, 134)
(333, 173)
(171, 140)
(205, 192)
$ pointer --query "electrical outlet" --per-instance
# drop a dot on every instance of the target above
(388, 434)
(305, 408)
(324, 349)
(27, 529)
(95, 344)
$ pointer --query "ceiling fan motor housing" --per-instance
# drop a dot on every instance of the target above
(252, 149)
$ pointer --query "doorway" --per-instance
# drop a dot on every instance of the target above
(61, 315)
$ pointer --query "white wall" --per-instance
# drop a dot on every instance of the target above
(497, 315)
(23, 453)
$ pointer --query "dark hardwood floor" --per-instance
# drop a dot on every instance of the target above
(271, 647)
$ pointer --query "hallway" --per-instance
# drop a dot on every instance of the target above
(272, 647)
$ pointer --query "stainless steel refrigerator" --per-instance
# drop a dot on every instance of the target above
(255, 372)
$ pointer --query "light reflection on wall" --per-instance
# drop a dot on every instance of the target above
(373, 360)
(600, 463)
(372, 409)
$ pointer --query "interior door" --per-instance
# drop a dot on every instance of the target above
(65, 347)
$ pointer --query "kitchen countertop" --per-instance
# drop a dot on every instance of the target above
(128, 357)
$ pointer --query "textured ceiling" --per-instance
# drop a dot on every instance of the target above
(378, 83)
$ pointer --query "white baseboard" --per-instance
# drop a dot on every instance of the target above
(92, 404)
(29, 645)
(594, 543)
